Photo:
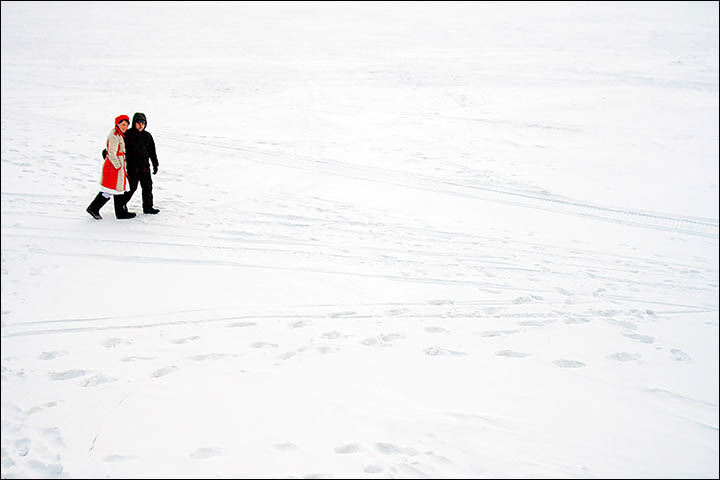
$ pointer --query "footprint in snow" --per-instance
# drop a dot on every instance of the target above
(204, 453)
(530, 323)
(436, 330)
(45, 470)
(325, 349)
(163, 371)
(639, 338)
(22, 446)
(437, 351)
(350, 448)
(520, 300)
(208, 356)
(679, 355)
(332, 335)
(568, 363)
(52, 355)
(33, 411)
(240, 324)
(67, 375)
(382, 340)
(511, 354)
(624, 357)
(132, 359)
(285, 447)
(97, 380)
(575, 320)
(498, 333)
(372, 469)
(291, 354)
(52, 435)
(390, 449)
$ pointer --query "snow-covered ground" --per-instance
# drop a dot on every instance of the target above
(395, 240)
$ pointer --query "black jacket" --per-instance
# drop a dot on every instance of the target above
(139, 148)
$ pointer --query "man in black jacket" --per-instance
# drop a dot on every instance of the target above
(139, 148)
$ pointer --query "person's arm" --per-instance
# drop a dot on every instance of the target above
(153, 153)
(113, 143)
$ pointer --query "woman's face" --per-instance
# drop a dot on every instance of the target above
(123, 126)
(139, 126)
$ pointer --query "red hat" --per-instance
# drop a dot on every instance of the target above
(120, 118)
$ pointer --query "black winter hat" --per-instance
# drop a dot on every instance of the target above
(139, 117)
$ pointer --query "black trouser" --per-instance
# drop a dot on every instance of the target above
(142, 176)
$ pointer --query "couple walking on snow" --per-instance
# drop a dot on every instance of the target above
(126, 164)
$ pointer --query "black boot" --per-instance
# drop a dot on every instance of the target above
(151, 210)
(95, 206)
(121, 209)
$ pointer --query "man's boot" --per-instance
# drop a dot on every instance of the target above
(121, 209)
(95, 206)
(147, 196)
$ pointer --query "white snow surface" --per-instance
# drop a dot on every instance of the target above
(396, 240)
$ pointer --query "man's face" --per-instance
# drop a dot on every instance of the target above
(123, 126)
(139, 126)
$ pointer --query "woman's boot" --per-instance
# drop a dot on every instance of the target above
(121, 209)
(95, 206)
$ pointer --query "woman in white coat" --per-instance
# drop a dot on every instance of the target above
(113, 180)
